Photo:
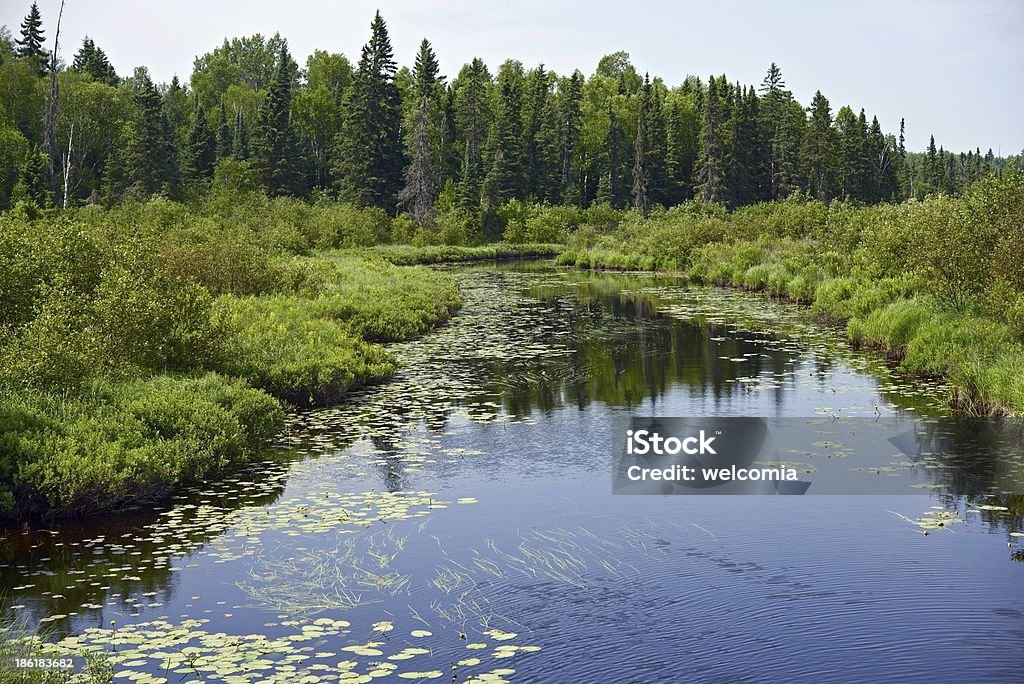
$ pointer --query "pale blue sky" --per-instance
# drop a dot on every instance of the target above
(951, 67)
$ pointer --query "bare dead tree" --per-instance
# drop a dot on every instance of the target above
(51, 112)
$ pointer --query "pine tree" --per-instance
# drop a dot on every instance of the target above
(274, 143)
(370, 159)
(225, 142)
(709, 179)
(819, 149)
(30, 45)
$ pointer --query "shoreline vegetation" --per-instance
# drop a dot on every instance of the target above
(937, 287)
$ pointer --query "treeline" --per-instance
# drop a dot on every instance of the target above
(448, 153)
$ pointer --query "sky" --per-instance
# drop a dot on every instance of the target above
(952, 68)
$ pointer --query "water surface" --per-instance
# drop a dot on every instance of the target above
(457, 522)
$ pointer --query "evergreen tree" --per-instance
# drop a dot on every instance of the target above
(32, 176)
(883, 172)
(656, 151)
(30, 45)
(274, 144)
(931, 167)
(744, 158)
(472, 114)
(904, 179)
(93, 61)
(641, 198)
(537, 134)
(615, 144)
(426, 74)
(570, 119)
(709, 179)
(783, 123)
(505, 179)
(201, 149)
(681, 151)
(421, 180)
(225, 141)
(849, 151)
(819, 149)
(449, 152)
(370, 158)
(240, 138)
(150, 165)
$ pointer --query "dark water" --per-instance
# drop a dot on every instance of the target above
(470, 498)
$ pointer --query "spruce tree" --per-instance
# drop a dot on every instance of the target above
(656, 151)
(32, 176)
(240, 138)
(150, 165)
(743, 159)
(570, 118)
(709, 179)
(30, 45)
(783, 123)
(370, 159)
(421, 180)
(505, 178)
(819, 149)
(93, 61)
(426, 74)
(682, 128)
(615, 144)
(201, 150)
(931, 167)
(274, 143)
(641, 198)
(535, 131)
(225, 142)
(472, 116)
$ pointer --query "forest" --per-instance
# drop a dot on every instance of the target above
(373, 135)
(178, 262)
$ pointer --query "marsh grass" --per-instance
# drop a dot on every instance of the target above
(934, 286)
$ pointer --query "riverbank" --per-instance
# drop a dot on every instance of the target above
(139, 354)
(935, 286)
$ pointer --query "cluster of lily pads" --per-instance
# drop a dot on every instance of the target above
(303, 651)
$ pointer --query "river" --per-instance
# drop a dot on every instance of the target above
(457, 522)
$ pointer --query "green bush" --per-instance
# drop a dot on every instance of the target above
(126, 443)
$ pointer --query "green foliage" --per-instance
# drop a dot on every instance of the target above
(126, 443)
(99, 306)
